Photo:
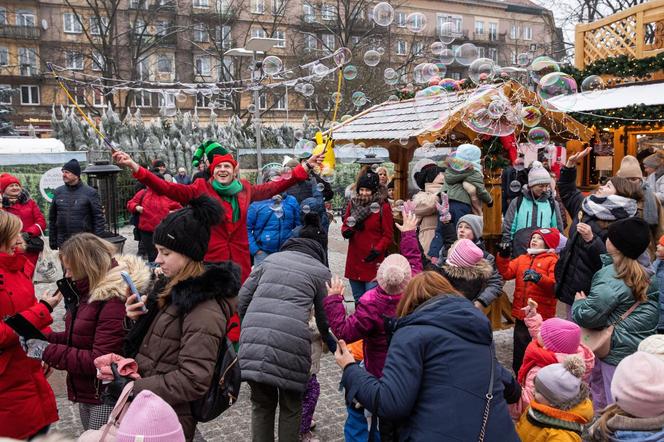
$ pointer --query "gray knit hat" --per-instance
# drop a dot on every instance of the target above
(561, 384)
(476, 224)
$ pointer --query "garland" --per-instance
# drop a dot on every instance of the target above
(607, 117)
(621, 66)
(494, 154)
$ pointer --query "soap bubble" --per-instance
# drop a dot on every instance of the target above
(383, 14)
(523, 59)
(251, 108)
(321, 70)
(496, 109)
(530, 116)
(306, 209)
(342, 56)
(490, 113)
(592, 83)
(442, 70)
(181, 97)
(446, 32)
(359, 99)
(329, 175)
(277, 199)
(449, 84)
(404, 141)
(279, 212)
(272, 65)
(515, 186)
(350, 72)
(374, 168)
(398, 205)
(309, 146)
(416, 22)
(345, 118)
(538, 135)
(436, 48)
(337, 97)
(286, 173)
(320, 187)
(482, 70)
(429, 71)
(542, 66)
(393, 99)
(556, 84)
(298, 134)
(308, 89)
(374, 207)
(466, 54)
(350, 221)
(447, 56)
(390, 76)
(371, 57)
(380, 50)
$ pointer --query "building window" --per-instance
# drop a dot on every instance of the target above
(201, 4)
(224, 36)
(30, 95)
(27, 60)
(514, 32)
(418, 48)
(308, 13)
(226, 69)
(327, 12)
(200, 33)
(223, 6)
(401, 19)
(164, 64)
(3, 16)
(202, 65)
(481, 52)
(493, 54)
(5, 94)
(456, 20)
(277, 7)
(281, 103)
(329, 41)
(25, 18)
(262, 102)
(355, 40)
(143, 69)
(167, 99)
(202, 100)
(310, 42)
(402, 47)
(456, 75)
(4, 56)
(98, 99)
(98, 25)
(138, 4)
(513, 56)
(139, 27)
(258, 33)
(162, 27)
(479, 27)
(257, 6)
(72, 23)
(527, 33)
(418, 22)
(493, 31)
(98, 63)
(74, 60)
(143, 99)
(281, 36)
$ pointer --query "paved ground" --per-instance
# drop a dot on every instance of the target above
(235, 423)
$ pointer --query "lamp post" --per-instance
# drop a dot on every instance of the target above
(254, 47)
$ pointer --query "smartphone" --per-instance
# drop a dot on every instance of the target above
(127, 279)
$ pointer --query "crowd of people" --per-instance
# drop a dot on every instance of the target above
(225, 265)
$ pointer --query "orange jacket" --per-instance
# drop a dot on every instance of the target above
(541, 292)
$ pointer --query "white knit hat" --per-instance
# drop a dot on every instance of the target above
(538, 174)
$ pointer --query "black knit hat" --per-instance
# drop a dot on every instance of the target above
(631, 236)
(311, 228)
(73, 167)
(427, 175)
(369, 181)
(187, 231)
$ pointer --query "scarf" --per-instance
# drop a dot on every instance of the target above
(650, 207)
(564, 415)
(360, 206)
(229, 194)
(535, 356)
(609, 208)
(536, 252)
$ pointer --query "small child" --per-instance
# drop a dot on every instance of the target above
(561, 407)
(466, 269)
(464, 170)
(534, 277)
(659, 272)
(553, 341)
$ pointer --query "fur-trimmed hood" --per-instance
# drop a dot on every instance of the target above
(113, 286)
(219, 281)
(481, 270)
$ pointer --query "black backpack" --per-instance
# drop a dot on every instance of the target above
(226, 380)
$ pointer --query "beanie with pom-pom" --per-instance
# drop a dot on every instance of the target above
(561, 384)
(538, 174)
(394, 274)
(187, 231)
(560, 335)
(149, 419)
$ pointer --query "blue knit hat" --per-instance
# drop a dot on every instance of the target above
(466, 155)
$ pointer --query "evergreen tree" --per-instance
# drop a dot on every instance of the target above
(6, 126)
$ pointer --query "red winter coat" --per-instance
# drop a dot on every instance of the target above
(542, 292)
(31, 217)
(376, 234)
(229, 240)
(27, 403)
(155, 208)
(94, 326)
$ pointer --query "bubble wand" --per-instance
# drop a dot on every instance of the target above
(85, 117)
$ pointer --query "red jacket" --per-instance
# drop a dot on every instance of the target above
(32, 219)
(155, 208)
(542, 292)
(28, 403)
(377, 233)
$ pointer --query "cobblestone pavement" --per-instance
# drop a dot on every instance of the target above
(235, 423)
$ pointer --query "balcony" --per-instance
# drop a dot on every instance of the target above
(489, 37)
(20, 32)
(457, 35)
(227, 15)
(154, 39)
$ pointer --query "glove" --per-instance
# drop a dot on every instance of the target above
(504, 249)
(489, 204)
(331, 343)
(34, 348)
(531, 275)
(347, 233)
(372, 256)
(114, 389)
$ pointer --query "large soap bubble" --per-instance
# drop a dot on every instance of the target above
(447, 56)
(542, 66)
(383, 14)
(523, 59)
(592, 83)
(342, 56)
(416, 22)
(447, 32)
(482, 70)
(491, 113)
(556, 84)
(359, 99)
(390, 76)
(466, 54)
(538, 135)
(350, 72)
(307, 89)
(437, 48)
(371, 57)
(272, 65)
(530, 116)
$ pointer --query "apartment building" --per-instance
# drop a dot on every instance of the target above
(157, 44)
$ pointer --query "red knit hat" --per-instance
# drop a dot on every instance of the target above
(661, 241)
(218, 159)
(7, 179)
(551, 236)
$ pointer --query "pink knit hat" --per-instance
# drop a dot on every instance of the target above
(561, 336)
(394, 274)
(638, 385)
(150, 419)
(464, 253)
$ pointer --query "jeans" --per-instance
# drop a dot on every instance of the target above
(259, 257)
(264, 401)
(459, 209)
(359, 288)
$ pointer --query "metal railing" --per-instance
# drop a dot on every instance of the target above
(20, 32)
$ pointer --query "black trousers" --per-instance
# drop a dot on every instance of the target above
(521, 340)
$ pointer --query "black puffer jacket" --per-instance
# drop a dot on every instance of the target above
(74, 209)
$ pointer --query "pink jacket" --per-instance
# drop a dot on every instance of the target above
(534, 324)
(367, 322)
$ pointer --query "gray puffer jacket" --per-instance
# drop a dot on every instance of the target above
(274, 305)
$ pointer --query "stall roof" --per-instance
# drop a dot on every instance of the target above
(647, 94)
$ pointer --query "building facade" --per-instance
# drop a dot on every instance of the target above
(141, 54)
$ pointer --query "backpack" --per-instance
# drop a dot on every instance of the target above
(226, 380)
(522, 237)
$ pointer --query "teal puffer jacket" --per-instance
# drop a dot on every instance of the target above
(609, 298)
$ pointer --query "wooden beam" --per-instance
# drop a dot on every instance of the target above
(401, 157)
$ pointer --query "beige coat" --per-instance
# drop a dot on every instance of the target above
(425, 209)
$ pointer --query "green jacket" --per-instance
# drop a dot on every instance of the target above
(608, 299)
(454, 185)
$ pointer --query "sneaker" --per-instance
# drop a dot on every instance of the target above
(308, 437)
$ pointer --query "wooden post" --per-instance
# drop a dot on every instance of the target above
(401, 157)
(619, 147)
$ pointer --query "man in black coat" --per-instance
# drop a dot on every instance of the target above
(75, 208)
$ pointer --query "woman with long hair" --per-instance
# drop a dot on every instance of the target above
(439, 371)
(28, 403)
(623, 295)
(94, 295)
(176, 339)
